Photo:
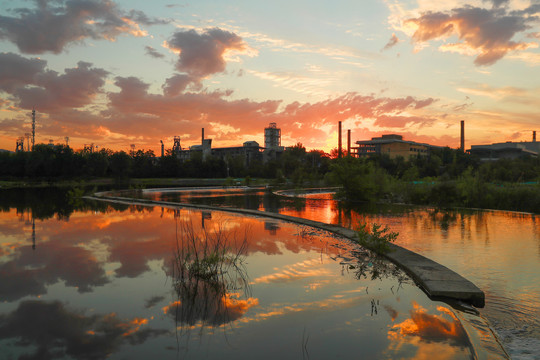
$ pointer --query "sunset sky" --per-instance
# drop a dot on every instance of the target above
(115, 73)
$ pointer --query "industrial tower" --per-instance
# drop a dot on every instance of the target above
(176, 147)
(272, 136)
(20, 144)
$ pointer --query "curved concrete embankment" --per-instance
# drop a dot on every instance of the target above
(436, 280)
(295, 192)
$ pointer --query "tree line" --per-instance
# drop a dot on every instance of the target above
(446, 177)
(62, 162)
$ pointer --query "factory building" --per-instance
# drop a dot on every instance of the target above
(506, 150)
(250, 150)
(391, 145)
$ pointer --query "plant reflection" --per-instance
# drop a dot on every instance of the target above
(209, 278)
(442, 219)
(374, 266)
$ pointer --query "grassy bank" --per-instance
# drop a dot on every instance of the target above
(127, 183)
(446, 194)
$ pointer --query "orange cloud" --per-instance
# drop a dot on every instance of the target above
(208, 307)
(133, 107)
(392, 42)
(487, 32)
(133, 326)
(302, 270)
(430, 327)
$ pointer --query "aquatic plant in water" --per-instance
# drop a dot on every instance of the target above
(376, 239)
(209, 277)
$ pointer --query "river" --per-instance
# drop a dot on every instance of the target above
(497, 250)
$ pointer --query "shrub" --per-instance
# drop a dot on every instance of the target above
(377, 239)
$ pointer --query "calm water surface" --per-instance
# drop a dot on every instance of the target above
(95, 280)
(499, 251)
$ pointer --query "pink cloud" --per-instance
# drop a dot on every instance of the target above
(18, 71)
(31, 85)
(182, 109)
(213, 110)
(392, 42)
(203, 54)
(396, 121)
(150, 51)
(487, 32)
(54, 27)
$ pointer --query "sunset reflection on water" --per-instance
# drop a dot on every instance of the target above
(499, 251)
(100, 284)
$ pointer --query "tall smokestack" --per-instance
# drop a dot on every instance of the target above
(339, 140)
(202, 136)
(162, 148)
(462, 146)
(534, 136)
(349, 142)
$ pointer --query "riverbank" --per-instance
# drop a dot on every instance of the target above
(445, 195)
(127, 183)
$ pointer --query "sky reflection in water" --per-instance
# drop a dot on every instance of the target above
(499, 251)
(104, 284)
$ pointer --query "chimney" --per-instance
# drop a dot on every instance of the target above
(162, 148)
(202, 136)
(534, 136)
(349, 142)
(462, 145)
(339, 140)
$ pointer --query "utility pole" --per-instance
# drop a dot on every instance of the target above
(33, 128)
(339, 140)
(462, 137)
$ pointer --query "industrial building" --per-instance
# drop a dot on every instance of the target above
(506, 150)
(249, 151)
(392, 145)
